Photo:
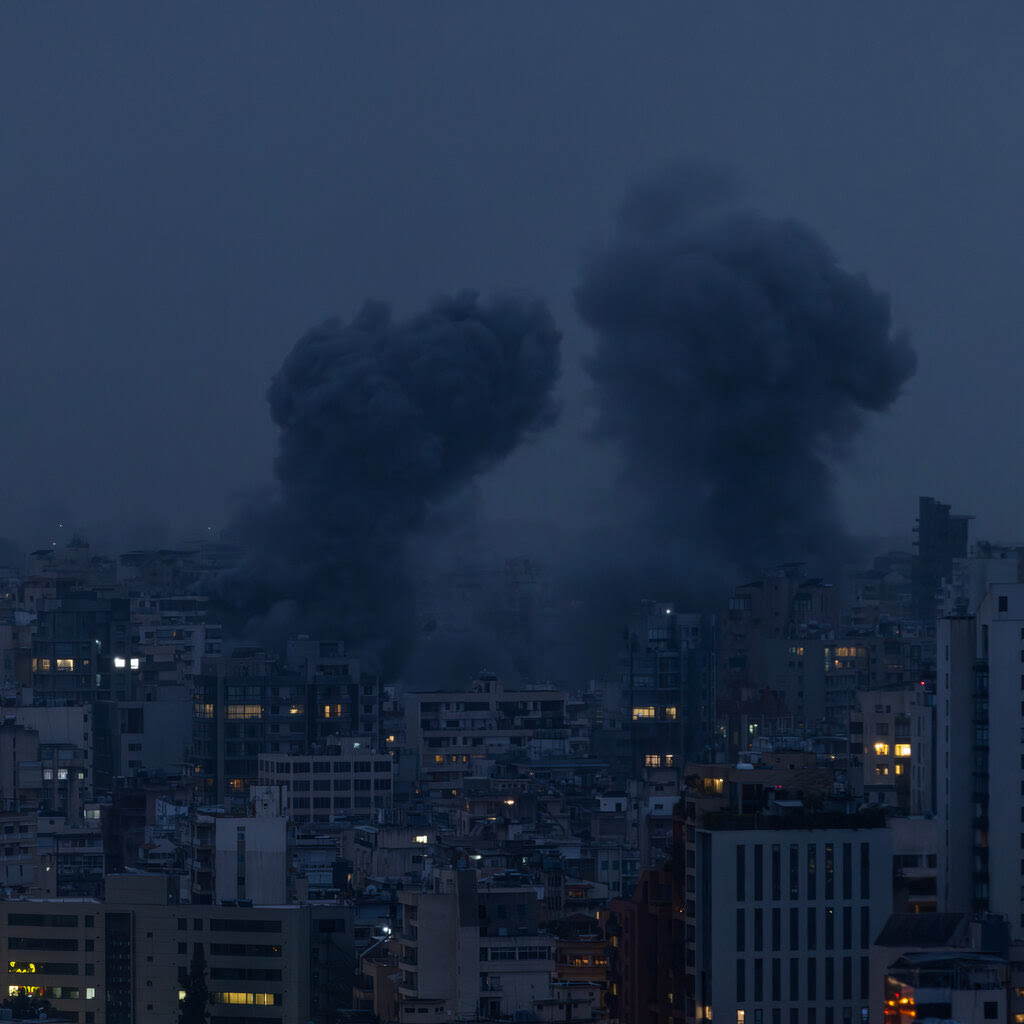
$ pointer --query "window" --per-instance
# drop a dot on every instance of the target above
(1004, 605)
(881, 749)
(645, 712)
(243, 711)
(902, 750)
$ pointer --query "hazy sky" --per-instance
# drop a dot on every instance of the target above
(187, 188)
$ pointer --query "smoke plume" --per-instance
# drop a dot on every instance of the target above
(735, 362)
(379, 421)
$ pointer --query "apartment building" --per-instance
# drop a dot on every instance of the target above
(459, 734)
(781, 904)
(345, 777)
(472, 946)
(126, 959)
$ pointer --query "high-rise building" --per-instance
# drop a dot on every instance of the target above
(980, 756)
(782, 902)
(941, 537)
(668, 672)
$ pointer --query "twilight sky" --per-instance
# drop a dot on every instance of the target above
(188, 188)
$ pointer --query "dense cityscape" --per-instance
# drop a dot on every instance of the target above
(776, 810)
(509, 513)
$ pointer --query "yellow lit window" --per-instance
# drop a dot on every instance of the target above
(65, 664)
(669, 759)
(243, 711)
(882, 769)
(652, 760)
(236, 785)
(246, 998)
(643, 713)
(333, 710)
(670, 713)
(204, 711)
(899, 769)
(297, 709)
(439, 759)
(903, 750)
(881, 749)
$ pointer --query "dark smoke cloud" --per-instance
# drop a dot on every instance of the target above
(380, 421)
(735, 362)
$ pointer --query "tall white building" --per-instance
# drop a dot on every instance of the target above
(781, 904)
(980, 750)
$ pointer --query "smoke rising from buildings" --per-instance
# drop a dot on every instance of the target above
(735, 362)
(380, 420)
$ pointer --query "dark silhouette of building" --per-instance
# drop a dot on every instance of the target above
(941, 537)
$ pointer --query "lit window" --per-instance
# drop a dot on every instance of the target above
(47, 775)
(419, 839)
(882, 769)
(333, 710)
(669, 759)
(643, 713)
(243, 711)
(881, 749)
(119, 663)
(246, 998)
(297, 709)
(90, 993)
(899, 769)
(652, 760)
(65, 664)
(135, 664)
(62, 774)
(670, 713)
(439, 759)
(903, 750)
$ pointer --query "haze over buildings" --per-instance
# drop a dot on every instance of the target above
(555, 649)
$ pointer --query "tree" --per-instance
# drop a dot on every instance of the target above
(197, 995)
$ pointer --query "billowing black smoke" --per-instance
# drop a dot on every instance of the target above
(735, 361)
(379, 421)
